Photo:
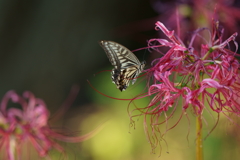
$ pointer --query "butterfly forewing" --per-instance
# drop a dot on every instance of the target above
(126, 65)
(111, 52)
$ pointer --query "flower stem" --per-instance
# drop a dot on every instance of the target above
(199, 146)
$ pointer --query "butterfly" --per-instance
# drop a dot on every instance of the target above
(126, 65)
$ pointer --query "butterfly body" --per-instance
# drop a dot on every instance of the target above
(126, 65)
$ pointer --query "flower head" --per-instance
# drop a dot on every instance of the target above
(28, 123)
(197, 75)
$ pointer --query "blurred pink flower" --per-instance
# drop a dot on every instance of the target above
(197, 75)
(28, 123)
(193, 14)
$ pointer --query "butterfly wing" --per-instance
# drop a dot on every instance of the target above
(126, 65)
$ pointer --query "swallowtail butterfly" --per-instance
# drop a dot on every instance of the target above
(126, 65)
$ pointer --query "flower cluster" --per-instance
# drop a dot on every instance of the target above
(197, 76)
(28, 123)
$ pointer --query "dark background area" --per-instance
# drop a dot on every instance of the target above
(47, 46)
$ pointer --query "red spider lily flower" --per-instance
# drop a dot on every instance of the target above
(197, 75)
(28, 123)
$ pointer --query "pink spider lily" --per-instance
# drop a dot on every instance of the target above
(199, 76)
(28, 124)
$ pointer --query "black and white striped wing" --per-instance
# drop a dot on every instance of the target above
(126, 65)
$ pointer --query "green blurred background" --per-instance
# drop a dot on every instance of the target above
(48, 46)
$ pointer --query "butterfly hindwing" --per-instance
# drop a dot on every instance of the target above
(126, 65)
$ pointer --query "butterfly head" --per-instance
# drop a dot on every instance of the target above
(143, 62)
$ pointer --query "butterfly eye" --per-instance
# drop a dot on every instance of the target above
(143, 62)
(126, 65)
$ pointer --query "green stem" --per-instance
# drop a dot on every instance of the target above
(207, 54)
(199, 145)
